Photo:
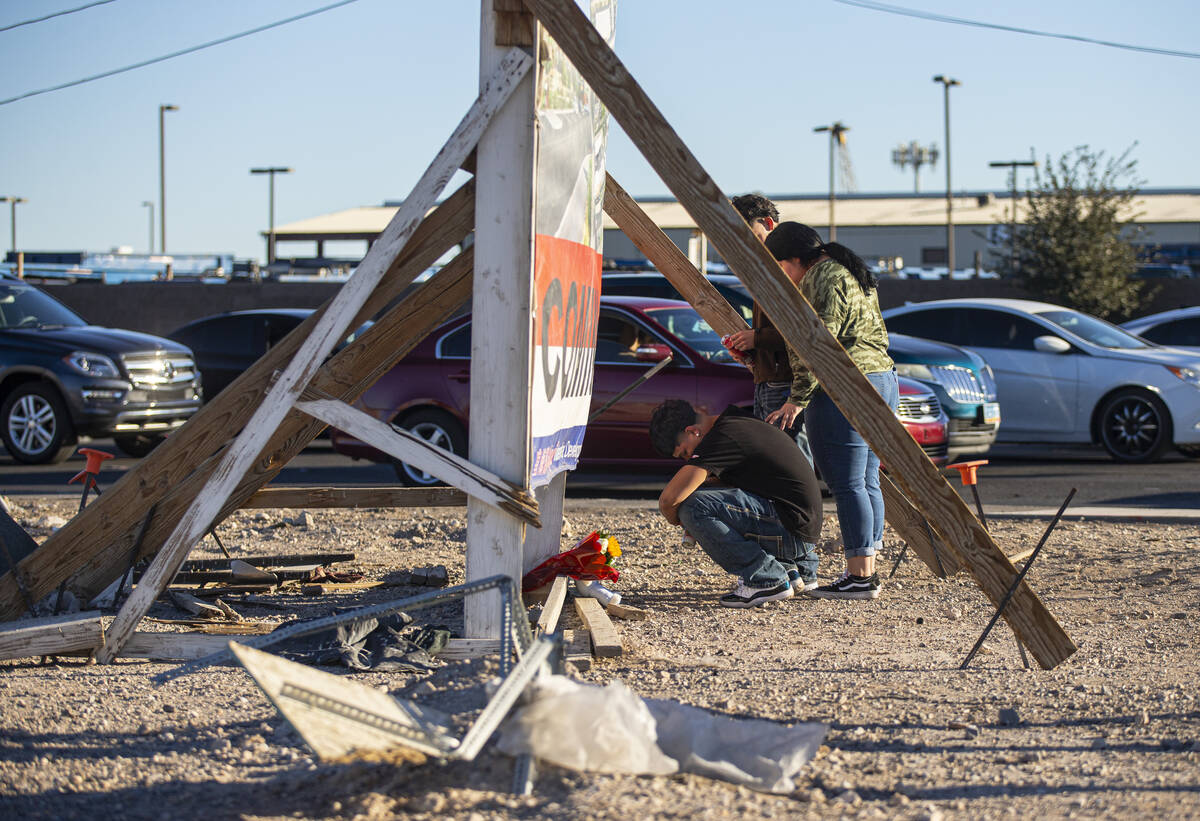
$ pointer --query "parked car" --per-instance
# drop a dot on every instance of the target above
(1066, 376)
(62, 379)
(227, 344)
(428, 391)
(963, 382)
(1175, 329)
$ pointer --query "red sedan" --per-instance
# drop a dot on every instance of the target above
(428, 391)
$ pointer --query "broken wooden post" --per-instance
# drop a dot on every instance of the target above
(606, 642)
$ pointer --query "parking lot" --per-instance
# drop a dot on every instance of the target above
(1017, 477)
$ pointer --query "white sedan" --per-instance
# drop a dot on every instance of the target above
(1066, 376)
(1179, 328)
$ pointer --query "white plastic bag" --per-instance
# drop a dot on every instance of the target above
(762, 755)
(584, 727)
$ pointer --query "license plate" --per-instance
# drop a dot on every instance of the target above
(991, 412)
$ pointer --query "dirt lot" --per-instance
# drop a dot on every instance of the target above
(1113, 732)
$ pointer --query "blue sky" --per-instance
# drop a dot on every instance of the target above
(359, 99)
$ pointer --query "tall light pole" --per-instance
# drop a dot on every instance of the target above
(162, 174)
(836, 130)
(271, 172)
(13, 204)
(149, 204)
(946, 83)
(916, 155)
(1012, 166)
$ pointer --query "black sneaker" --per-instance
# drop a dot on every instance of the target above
(799, 584)
(743, 596)
(849, 587)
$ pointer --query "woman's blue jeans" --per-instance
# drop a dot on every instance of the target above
(742, 533)
(849, 468)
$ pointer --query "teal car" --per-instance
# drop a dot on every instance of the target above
(963, 383)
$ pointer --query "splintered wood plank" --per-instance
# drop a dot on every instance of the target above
(451, 468)
(332, 326)
(724, 319)
(51, 636)
(605, 640)
(94, 546)
(552, 609)
(177, 646)
(469, 648)
(328, 733)
(799, 324)
(324, 497)
(624, 611)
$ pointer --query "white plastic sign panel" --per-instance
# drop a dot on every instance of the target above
(573, 134)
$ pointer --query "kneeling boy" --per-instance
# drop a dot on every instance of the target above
(764, 526)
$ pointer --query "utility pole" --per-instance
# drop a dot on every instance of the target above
(836, 131)
(13, 204)
(946, 83)
(1012, 166)
(271, 172)
(162, 173)
(150, 205)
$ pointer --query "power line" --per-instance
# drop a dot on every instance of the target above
(53, 15)
(179, 53)
(941, 18)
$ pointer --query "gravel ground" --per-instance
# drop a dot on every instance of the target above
(1113, 732)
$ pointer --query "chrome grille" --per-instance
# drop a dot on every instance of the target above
(154, 371)
(919, 407)
(960, 383)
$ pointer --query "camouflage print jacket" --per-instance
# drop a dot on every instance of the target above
(851, 315)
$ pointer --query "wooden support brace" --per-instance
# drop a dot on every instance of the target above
(799, 324)
(449, 467)
(552, 608)
(724, 319)
(94, 546)
(52, 636)
(354, 497)
(577, 649)
(606, 642)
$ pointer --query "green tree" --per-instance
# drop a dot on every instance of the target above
(1074, 245)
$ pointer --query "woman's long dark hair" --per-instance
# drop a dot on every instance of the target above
(794, 240)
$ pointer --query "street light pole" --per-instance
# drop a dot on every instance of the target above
(836, 130)
(946, 83)
(916, 155)
(271, 172)
(1012, 166)
(13, 204)
(150, 205)
(162, 173)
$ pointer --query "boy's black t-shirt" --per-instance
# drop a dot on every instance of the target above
(751, 455)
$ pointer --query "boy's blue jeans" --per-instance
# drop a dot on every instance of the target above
(742, 533)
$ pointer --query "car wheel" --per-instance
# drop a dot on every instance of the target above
(137, 444)
(1135, 427)
(35, 425)
(438, 428)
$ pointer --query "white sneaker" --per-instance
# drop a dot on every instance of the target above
(743, 596)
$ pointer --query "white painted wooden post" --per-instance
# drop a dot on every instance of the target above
(501, 334)
(542, 543)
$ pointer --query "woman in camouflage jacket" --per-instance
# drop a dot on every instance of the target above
(842, 290)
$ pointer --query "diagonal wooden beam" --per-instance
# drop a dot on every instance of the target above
(92, 547)
(449, 467)
(800, 325)
(724, 319)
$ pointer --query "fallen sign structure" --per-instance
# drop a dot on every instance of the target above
(800, 326)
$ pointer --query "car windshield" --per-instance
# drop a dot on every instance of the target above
(23, 306)
(1094, 330)
(686, 324)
